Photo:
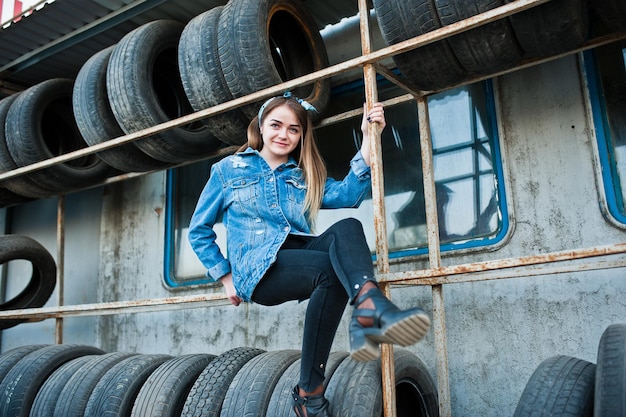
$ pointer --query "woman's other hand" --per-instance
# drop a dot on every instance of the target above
(227, 282)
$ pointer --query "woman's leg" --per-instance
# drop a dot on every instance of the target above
(331, 269)
(328, 270)
(375, 319)
(349, 255)
(300, 274)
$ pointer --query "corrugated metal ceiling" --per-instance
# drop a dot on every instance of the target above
(56, 40)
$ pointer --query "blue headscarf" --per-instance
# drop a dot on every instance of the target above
(305, 104)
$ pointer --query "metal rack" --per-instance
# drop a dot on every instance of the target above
(436, 276)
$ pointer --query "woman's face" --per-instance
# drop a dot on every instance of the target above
(281, 132)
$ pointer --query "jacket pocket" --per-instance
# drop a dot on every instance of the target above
(245, 189)
(296, 190)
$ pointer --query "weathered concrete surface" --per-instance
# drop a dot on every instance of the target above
(498, 331)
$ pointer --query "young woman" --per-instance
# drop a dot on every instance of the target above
(268, 195)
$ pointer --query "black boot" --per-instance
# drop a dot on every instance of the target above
(311, 406)
(390, 325)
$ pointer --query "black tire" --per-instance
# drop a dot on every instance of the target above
(250, 391)
(355, 390)
(9, 358)
(41, 125)
(8, 198)
(47, 396)
(72, 399)
(561, 386)
(430, 67)
(612, 14)
(96, 121)
(265, 42)
(165, 391)
(21, 185)
(551, 28)
(280, 403)
(207, 394)
(20, 386)
(145, 89)
(485, 49)
(203, 80)
(43, 276)
(610, 389)
(116, 391)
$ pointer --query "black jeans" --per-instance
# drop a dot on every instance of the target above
(329, 270)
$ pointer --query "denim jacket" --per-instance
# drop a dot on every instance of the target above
(260, 208)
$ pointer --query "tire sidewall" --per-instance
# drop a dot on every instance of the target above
(246, 58)
(43, 276)
(142, 61)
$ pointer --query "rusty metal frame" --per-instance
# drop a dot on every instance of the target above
(60, 284)
(436, 276)
(591, 259)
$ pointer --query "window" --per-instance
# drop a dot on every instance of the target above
(606, 72)
(468, 176)
(184, 185)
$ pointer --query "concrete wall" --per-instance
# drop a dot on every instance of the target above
(38, 220)
(498, 331)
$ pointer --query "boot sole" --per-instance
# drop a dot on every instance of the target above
(367, 352)
(405, 332)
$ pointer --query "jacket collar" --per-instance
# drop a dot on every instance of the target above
(291, 162)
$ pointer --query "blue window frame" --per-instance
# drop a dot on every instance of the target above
(606, 74)
(468, 175)
(181, 266)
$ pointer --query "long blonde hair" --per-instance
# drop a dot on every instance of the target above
(306, 153)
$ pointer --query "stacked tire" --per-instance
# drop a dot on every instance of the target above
(39, 287)
(610, 16)
(248, 45)
(71, 380)
(548, 29)
(565, 386)
(164, 70)
(161, 71)
(38, 124)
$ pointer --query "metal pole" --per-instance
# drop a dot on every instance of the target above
(378, 201)
(434, 258)
(58, 331)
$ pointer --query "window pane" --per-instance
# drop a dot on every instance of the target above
(453, 163)
(465, 172)
(450, 131)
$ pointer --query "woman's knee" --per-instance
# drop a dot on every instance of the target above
(349, 226)
(351, 222)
